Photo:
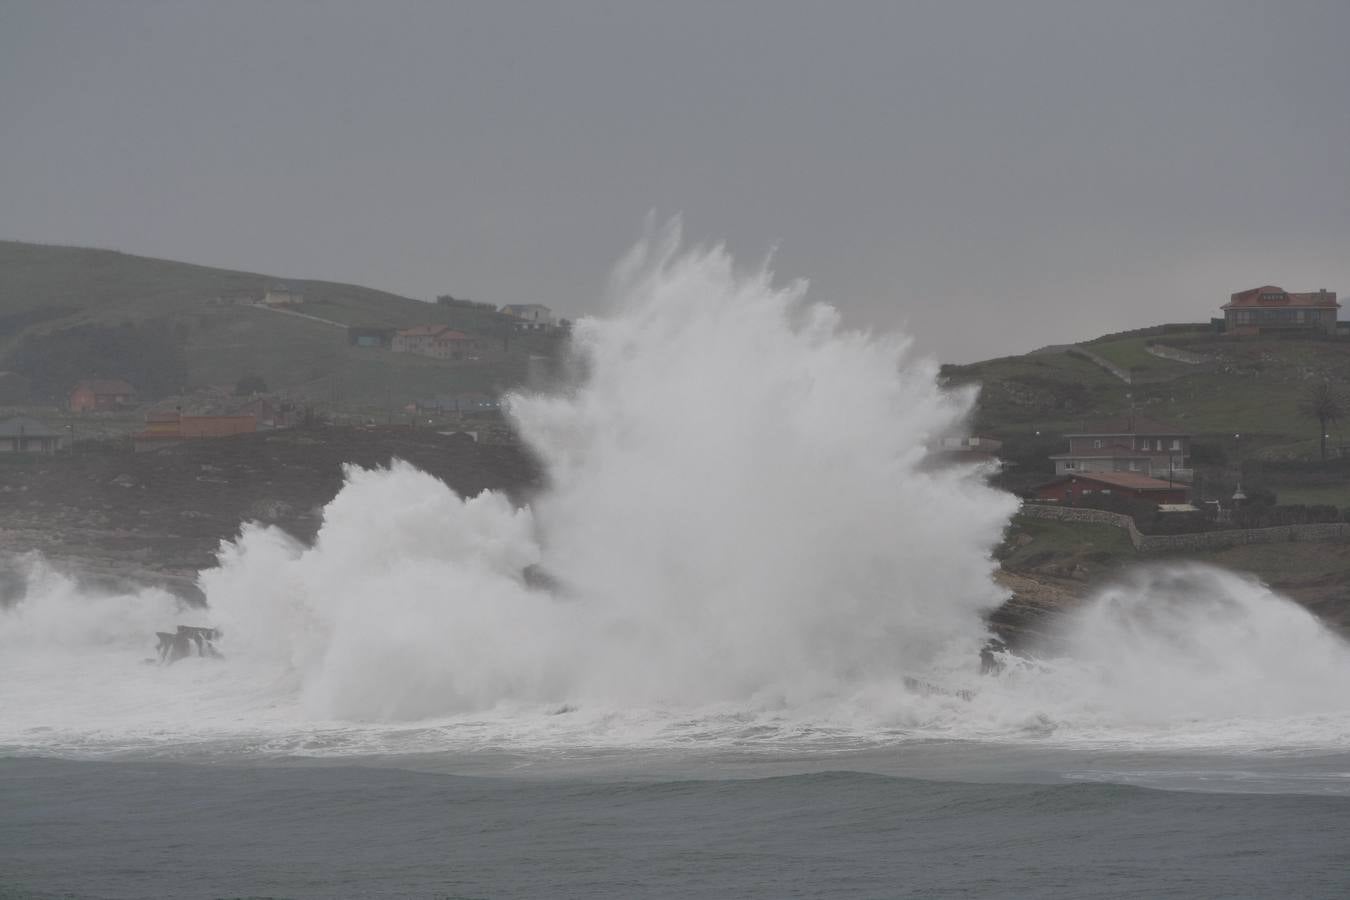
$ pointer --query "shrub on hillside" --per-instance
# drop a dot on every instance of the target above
(1293, 514)
(1323, 512)
(1208, 452)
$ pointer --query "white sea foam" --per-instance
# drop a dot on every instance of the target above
(752, 545)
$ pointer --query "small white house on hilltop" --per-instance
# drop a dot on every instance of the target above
(530, 316)
(283, 295)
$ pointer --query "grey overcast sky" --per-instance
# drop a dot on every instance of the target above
(990, 176)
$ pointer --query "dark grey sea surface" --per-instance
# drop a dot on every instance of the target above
(191, 830)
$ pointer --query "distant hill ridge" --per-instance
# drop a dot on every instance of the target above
(93, 281)
(56, 302)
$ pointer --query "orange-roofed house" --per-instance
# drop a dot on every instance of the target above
(1271, 308)
(1069, 489)
(99, 394)
(165, 428)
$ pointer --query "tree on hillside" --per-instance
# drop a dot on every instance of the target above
(1325, 404)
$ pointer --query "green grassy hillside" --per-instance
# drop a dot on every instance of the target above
(1253, 387)
(83, 284)
(56, 302)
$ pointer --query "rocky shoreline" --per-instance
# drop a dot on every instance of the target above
(157, 518)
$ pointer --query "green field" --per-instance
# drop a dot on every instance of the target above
(1048, 541)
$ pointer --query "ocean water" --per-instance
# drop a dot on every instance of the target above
(173, 830)
(753, 670)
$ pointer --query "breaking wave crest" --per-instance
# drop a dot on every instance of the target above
(743, 530)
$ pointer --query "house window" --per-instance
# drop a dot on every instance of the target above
(1134, 465)
(1097, 444)
(1158, 444)
(1176, 443)
(1070, 464)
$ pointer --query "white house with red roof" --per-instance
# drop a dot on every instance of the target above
(1272, 308)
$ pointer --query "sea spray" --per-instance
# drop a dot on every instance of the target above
(741, 509)
(54, 610)
(1181, 642)
(411, 602)
(739, 492)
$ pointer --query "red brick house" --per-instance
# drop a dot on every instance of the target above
(1070, 489)
(1128, 444)
(1271, 308)
(101, 394)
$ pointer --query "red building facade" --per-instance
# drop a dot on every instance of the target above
(101, 394)
(1071, 489)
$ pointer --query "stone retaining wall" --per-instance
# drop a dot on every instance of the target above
(1172, 353)
(1215, 540)
(1199, 540)
(1122, 373)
